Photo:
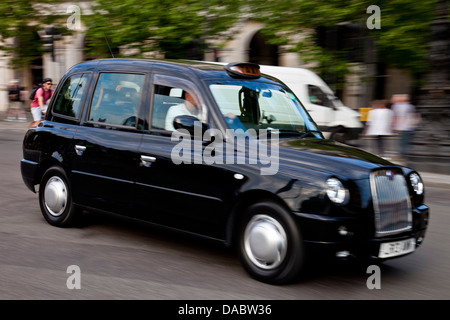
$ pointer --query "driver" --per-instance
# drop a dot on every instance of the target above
(189, 108)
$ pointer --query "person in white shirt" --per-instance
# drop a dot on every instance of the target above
(189, 108)
(379, 124)
(404, 121)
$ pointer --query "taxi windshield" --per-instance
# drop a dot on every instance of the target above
(259, 105)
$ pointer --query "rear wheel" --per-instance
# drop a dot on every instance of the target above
(270, 244)
(55, 198)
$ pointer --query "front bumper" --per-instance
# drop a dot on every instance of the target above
(351, 237)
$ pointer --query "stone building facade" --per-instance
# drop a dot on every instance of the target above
(248, 44)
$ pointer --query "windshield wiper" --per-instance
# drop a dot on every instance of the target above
(309, 132)
(301, 134)
(288, 132)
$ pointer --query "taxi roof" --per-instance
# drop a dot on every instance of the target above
(203, 70)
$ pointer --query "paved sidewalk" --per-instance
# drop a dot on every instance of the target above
(15, 124)
(430, 178)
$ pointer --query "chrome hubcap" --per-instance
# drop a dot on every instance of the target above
(265, 242)
(55, 196)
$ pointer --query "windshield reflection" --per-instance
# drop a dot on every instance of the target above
(256, 105)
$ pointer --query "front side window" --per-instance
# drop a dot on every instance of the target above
(117, 98)
(257, 105)
(170, 101)
(69, 98)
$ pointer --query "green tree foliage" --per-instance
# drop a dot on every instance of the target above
(19, 25)
(172, 27)
(175, 28)
(401, 41)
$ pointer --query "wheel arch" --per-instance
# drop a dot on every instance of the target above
(244, 201)
(47, 164)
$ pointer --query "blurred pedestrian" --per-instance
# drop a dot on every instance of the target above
(405, 121)
(379, 124)
(40, 100)
(15, 107)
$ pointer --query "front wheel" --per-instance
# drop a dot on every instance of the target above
(55, 198)
(270, 244)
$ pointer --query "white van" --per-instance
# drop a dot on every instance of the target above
(335, 120)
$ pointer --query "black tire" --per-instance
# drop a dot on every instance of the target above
(55, 198)
(270, 244)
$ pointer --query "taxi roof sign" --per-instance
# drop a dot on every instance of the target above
(243, 70)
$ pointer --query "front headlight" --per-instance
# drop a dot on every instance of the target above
(416, 183)
(336, 191)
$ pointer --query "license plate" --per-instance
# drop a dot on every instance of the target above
(397, 248)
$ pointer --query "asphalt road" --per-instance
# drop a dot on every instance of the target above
(124, 260)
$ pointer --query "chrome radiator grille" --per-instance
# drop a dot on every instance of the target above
(391, 202)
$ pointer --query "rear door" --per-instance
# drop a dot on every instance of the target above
(107, 143)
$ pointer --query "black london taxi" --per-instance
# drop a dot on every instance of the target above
(223, 152)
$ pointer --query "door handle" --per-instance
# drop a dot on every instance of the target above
(147, 161)
(79, 150)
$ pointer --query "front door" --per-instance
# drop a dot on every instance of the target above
(173, 186)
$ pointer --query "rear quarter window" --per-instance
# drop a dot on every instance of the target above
(68, 101)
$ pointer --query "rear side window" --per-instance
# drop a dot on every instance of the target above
(117, 98)
(69, 98)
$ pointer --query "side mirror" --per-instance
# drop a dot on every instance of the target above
(191, 124)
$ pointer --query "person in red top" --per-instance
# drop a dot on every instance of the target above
(39, 104)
